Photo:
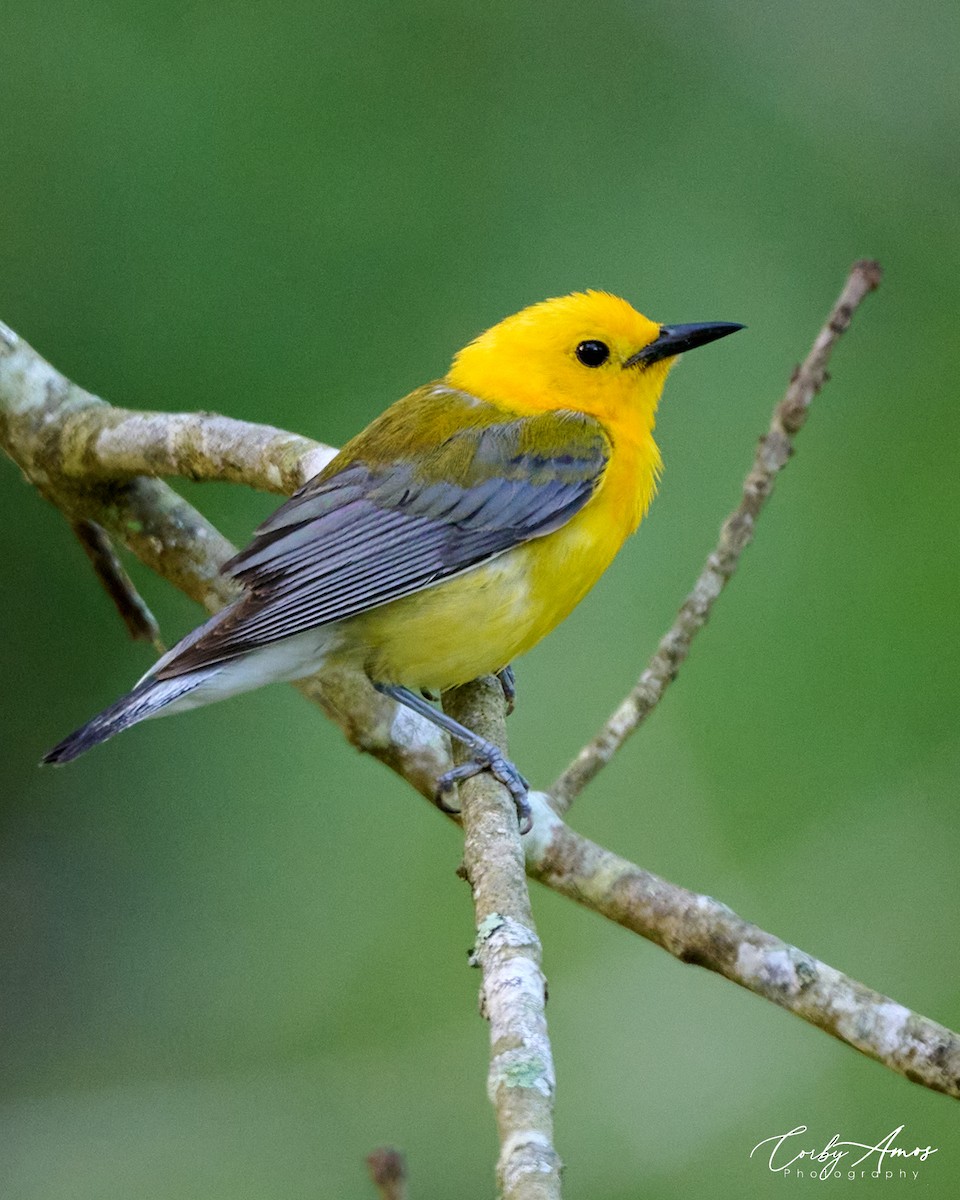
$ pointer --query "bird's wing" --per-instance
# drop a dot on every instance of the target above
(367, 530)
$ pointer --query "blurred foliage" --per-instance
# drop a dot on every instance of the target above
(232, 950)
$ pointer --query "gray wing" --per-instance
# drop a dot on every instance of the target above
(356, 538)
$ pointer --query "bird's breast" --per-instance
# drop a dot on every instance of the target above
(479, 621)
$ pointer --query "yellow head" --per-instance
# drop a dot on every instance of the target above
(590, 352)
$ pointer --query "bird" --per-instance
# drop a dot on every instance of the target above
(450, 535)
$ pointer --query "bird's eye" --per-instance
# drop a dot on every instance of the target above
(593, 354)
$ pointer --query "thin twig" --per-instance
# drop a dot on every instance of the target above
(773, 453)
(388, 1170)
(140, 622)
(521, 1079)
(698, 929)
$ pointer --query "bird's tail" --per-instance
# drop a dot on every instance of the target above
(147, 699)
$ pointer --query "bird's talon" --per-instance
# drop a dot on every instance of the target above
(449, 779)
(440, 797)
(508, 681)
(503, 771)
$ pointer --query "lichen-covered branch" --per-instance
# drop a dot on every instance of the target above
(773, 454)
(198, 446)
(521, 1080)
(698, 929)
(54, 428)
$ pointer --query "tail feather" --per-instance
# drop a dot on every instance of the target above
(291, 658)
(146, 700)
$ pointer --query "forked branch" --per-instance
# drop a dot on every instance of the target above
(95, 463)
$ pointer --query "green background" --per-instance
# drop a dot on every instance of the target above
(233, 951)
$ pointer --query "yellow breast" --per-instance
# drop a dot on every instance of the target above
(481, 620)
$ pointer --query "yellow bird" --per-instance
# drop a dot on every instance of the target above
(453, 533)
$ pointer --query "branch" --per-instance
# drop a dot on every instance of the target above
(95, 442)
(521, 1081)
(130, 605)
(201, 446)
(773, 454)
(388, 1171)
(698, 929)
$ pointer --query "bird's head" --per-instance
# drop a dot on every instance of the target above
(589, 351)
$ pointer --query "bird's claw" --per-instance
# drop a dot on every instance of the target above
(508, 682)
(502, 770)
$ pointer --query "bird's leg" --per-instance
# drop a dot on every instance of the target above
(508, 681)
(486, 756)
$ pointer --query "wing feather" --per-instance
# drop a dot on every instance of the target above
(367, 531)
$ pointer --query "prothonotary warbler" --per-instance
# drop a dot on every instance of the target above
(450, 535)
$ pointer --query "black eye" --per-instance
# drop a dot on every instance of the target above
(593, 354)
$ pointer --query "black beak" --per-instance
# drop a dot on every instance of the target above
(675, 339)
